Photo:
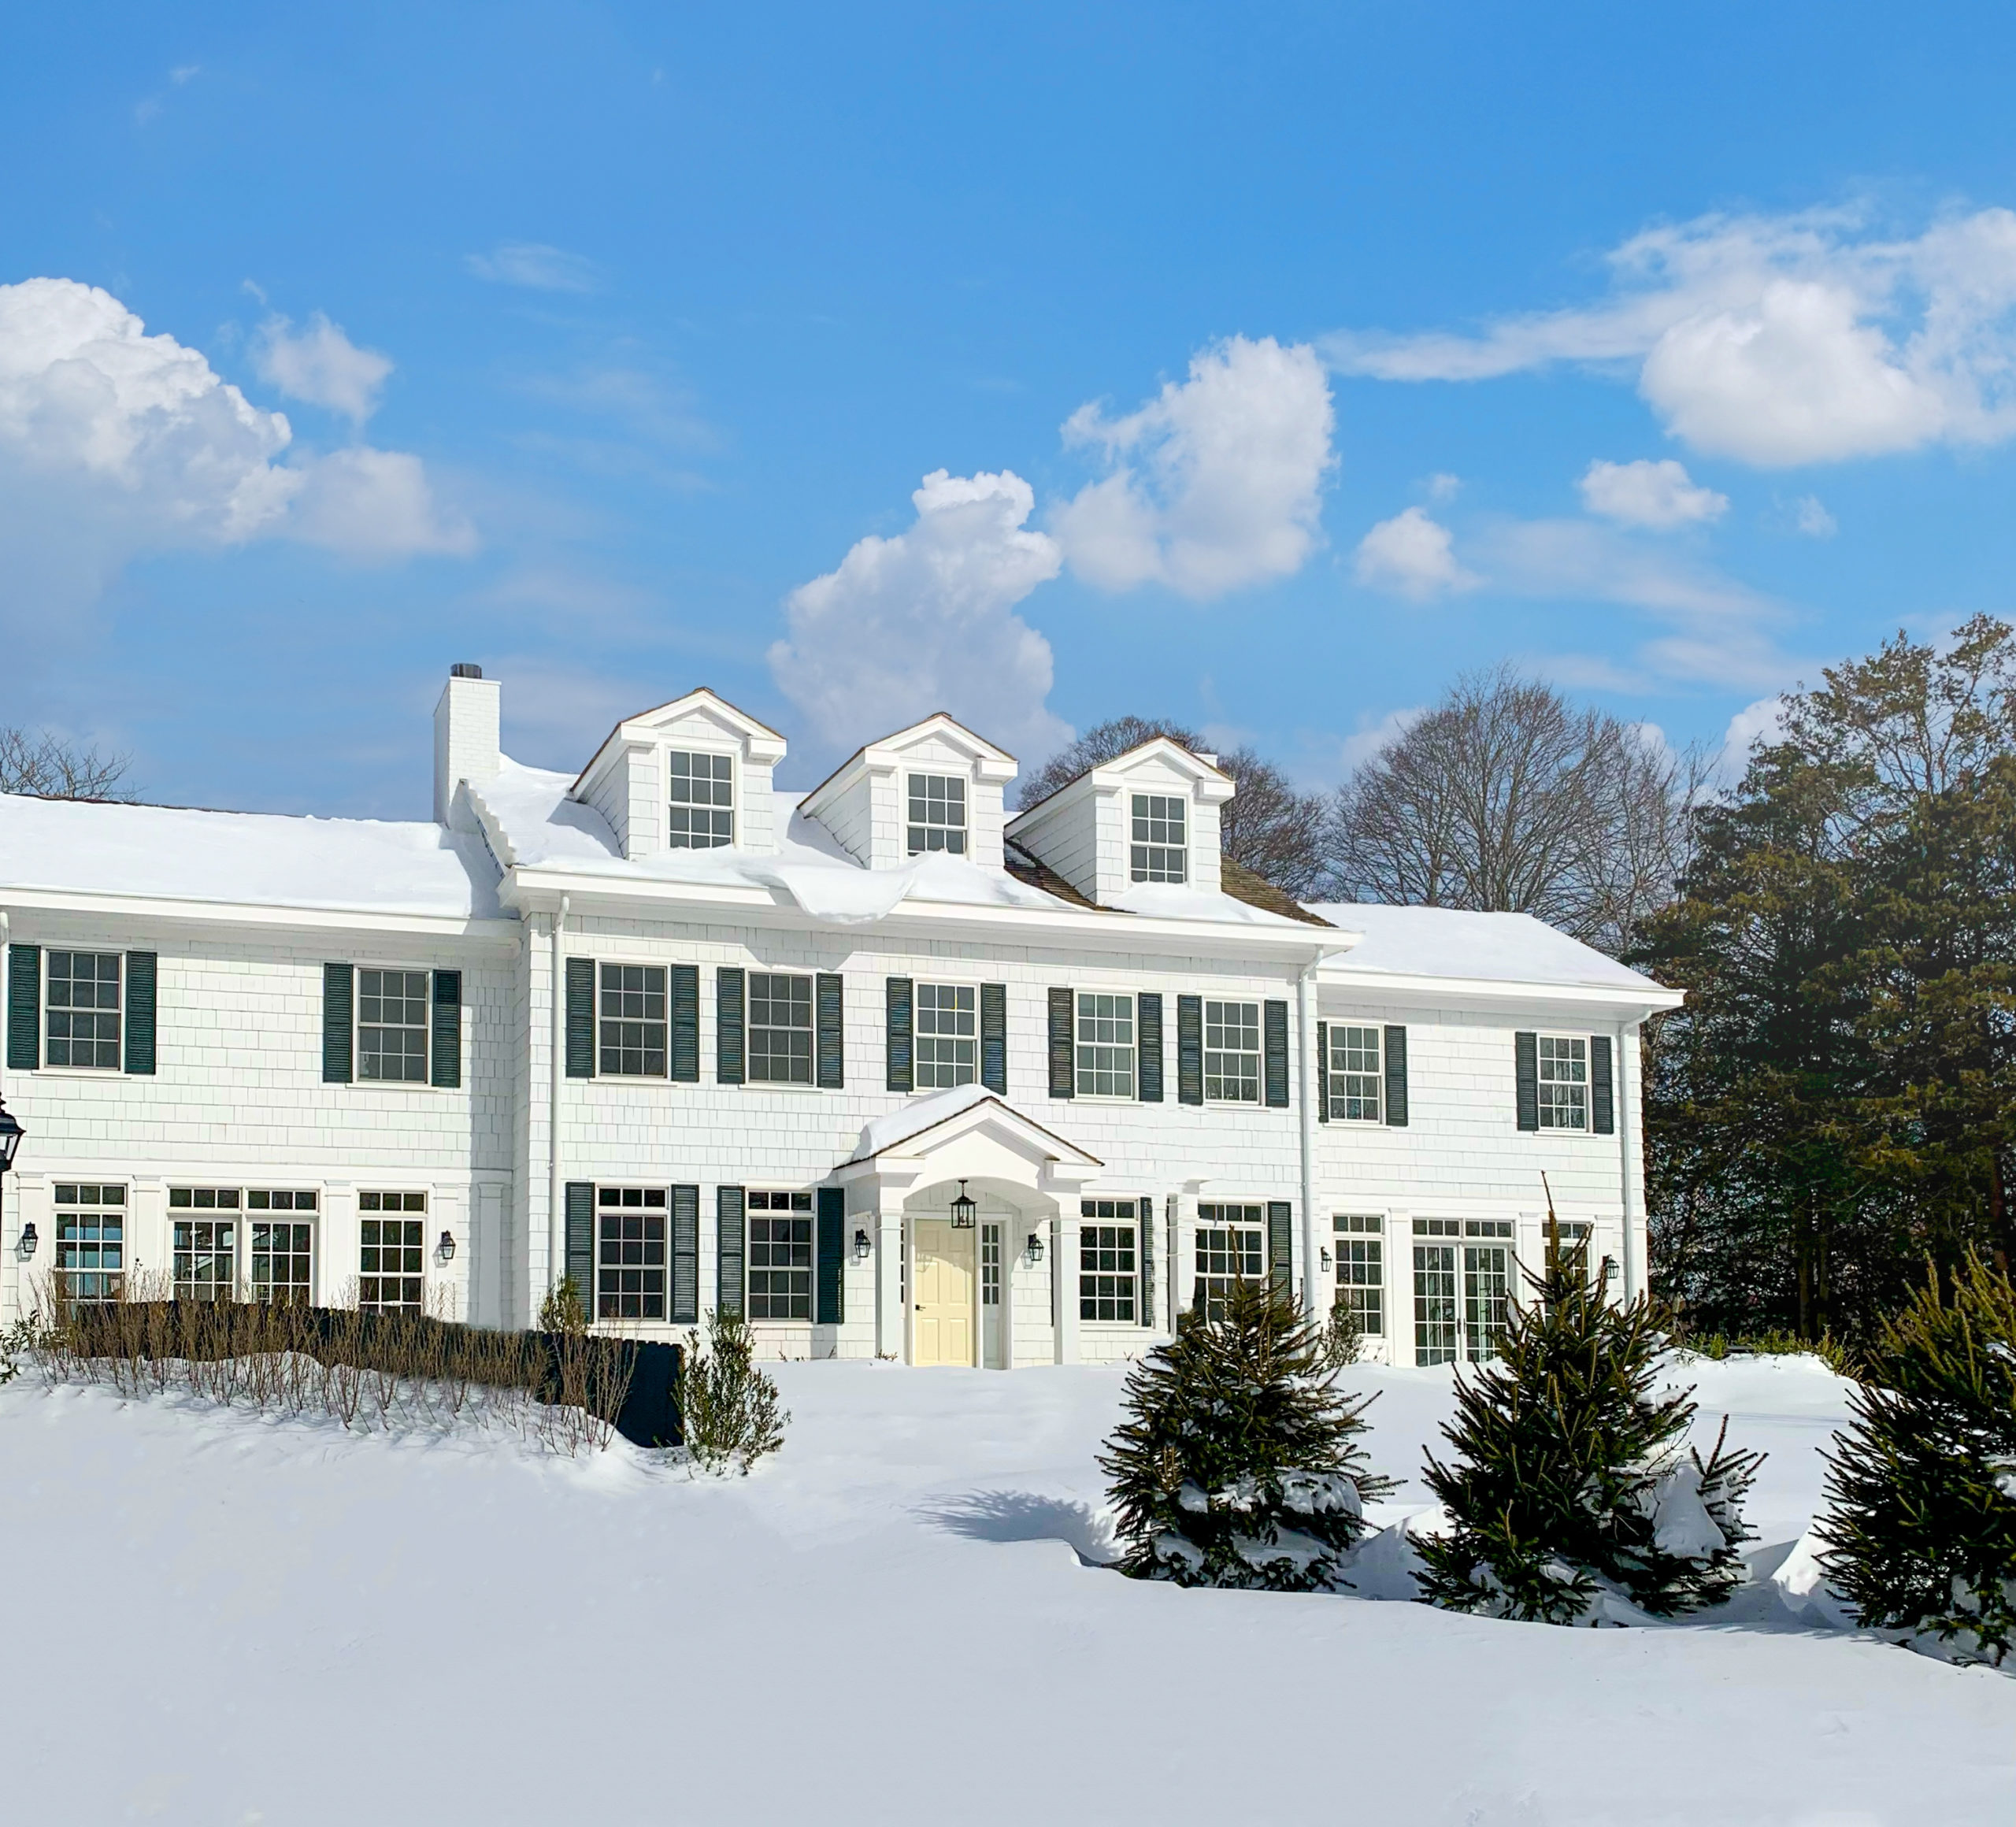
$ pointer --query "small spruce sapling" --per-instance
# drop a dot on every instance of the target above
(730, 1412)
(1920, 1527)
(1568, 1486)
(563, 1311)
(1238, 1463)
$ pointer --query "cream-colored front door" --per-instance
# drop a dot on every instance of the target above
(941, 1292)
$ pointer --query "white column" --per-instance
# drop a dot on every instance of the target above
(1066, 1256)
(890, 1330)
(1014, 1228)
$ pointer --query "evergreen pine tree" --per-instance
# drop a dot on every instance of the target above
(1239, 1464)
(1921, 1522)
(1568, 1485)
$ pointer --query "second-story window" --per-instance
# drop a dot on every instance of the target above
(1232, 1052)
(1564, 1072)
(1158, 851)
(391, 1026)
(938, 813)
(1354, 1081)
(632, 1020)
(779, 1029)
(701, 813)
(1105, 1045)
(83, 1009)
(948, 1036)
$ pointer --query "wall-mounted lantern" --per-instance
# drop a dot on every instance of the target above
(861, 1245)
(447, 1246)
(1326, 1259)
(965, 1215)
(10, 1139)
(1033, 1247)
(29, 1239)
(1610, 1270)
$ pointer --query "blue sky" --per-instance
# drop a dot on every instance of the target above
(1279, 362)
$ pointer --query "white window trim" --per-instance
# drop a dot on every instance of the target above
(964, 827)
(1134, 1000)
(632, 1078)
(1588, 1124)
(948, 983)
(425, 1081)
(1183, 797)
(812, 1273)
(1259, 1005)
(667, 750)
(750, 1081)
(1379, 1074)
(125, 991)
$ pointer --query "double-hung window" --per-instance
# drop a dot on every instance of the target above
(1359, 1241)
(1159, 851)
(1231, 1246)
(632, 1020)
(780, 1255)
(1232, 1052)
(282, 1262)
(1104, 1045)
(391, 1026)
(83, 1009)
(391, 1277)
(701, 811)
(1108, 1266)
(1564, 1082)
(780, 1029)
(1355, 1081)
(205, 1227)
(630, 1258)
(948, 1036)
(91, 1240)
(938, 813)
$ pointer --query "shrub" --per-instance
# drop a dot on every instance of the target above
(1343, 1342)
(563, 1311)
(730, 1411)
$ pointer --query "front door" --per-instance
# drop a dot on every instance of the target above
(942, 1293)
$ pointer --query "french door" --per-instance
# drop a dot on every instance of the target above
(1463, 1270)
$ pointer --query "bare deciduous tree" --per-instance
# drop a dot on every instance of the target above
(48, 768)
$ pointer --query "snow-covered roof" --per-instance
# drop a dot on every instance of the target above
(1447, 942)
(933, 1109)
(247, 858)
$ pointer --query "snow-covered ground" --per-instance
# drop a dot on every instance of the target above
(214, 1618)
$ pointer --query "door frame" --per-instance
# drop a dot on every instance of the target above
(911, 1220)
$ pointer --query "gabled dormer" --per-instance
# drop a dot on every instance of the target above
(694, 774)
(933, 787)
(1150, 815)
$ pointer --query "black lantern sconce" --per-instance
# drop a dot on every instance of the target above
(1033, 1247)
(965, 1212)
(1608, 1270)
(10, 1139)
(446, 1248)
(1324, 1251)
(29, 1239)
(861, 1245)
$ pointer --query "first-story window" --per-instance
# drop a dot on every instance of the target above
(990, 1265)
(1158, 852)
(1563, 1073)
(1462, 1287)
(1232, 1052)
(391, 1277)
(391, 1026)
(1354, 1081)
(1359, 1241)
(83, 1009)
(1105, 1045)
(700, 814)
(91, 1240)
(780, 1029)
(780, 1255)
(632, 1020)
(948, 1036)
(205, 1240)
(938, 813)
(630, 1252)
(1107, 1266)
(1230, 1248)
(282, 1260)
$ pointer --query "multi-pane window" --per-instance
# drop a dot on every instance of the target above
(990, 1265)
(83, 1009)
(1158, 851)
(91, 1240)
(282, 1260)
(392, 1278)
(1463, 1286)
(1355, 1074)
(702, 811)
(1487, 1285)
(1105, 1045)
(206, 1245)
(780, 1255)
(1231, 1246)
(948, 1036)
(1563, 1070)
(630, 1252)
(1359, 1242)
(938, 813)
(780, 1029)
(1232, 1052)
(632, 1025)
(391, 1026)
(1106, 1265)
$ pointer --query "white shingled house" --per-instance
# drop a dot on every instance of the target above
(887, 1068)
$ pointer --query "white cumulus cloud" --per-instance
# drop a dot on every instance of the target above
(1810, 516)
(1410, 555)
(1777, 340)
(537, 267)
(320, 365)
(926, 621)
(1216, 484)
(374, 505)
(1761, 722)
(1646, 493)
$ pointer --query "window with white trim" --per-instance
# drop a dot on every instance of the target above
(1462, 1287)
(204, 1220)
(283, 1252)
(1104, 1045)
(1359, 1241)
(391, 1026)
(1230, 1246)
(91, 1240)
(780, 1029)
(630, 1252)
(1107, 1262)
(990, 1265)
(700, 814)
(1232, 1053)
(947, 1021)
(1160, 849)
(83, 1015)
(780, 1266)
(391, 1277)
(632, 1020)
(1354, 1076)
(938, 814)
(1564, 1081)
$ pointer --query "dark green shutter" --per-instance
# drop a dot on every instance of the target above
(1602, 1089)
(830, 1308)
(1147, 1316)
(994, 1038)
(445, 1069)
(140, 973)
(1281, 1244)
(580, 1018)
(729, 1010)
(900, 1055)
(1274, 1053)
(685, 1255)
(1526, 1078)
(1322, 1072)
(830, 1018)
(685, 1011)
(1190, 1050)
(730, 1233)
(1063, 1078)
(1148, 1031)
(1396, 1077)
(581, 1242)
(24, 1007)
(338, 999)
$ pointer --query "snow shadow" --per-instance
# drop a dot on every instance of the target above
(1024, 1516)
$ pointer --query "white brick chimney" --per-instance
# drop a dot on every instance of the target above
(466, 742)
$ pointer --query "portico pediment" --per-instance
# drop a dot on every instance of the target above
(971, 1133)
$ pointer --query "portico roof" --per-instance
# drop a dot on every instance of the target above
(928, 1124)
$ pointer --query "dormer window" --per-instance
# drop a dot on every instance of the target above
(703, 801)
(1159, 852)
(938, 813)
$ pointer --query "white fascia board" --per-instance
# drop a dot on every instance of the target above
(251, 914)
(1333, 985)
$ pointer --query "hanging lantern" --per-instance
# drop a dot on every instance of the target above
(965, 1212)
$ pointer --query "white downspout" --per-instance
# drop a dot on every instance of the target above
(1305, 1045)
(1627, 1110)
(557, 991)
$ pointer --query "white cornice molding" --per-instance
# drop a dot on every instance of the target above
(1334, 987)
(251, 915)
